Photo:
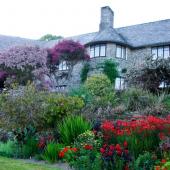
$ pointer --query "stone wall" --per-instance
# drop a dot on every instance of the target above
(134, 57)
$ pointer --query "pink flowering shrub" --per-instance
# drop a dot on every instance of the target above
(25, 62)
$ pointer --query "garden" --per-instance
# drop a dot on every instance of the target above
(90, 127)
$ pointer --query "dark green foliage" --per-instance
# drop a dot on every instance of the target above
(110, 69)
(71, 127)
(84, 72)
(51, 152)
(7, 149)
(166, 102)
(144, 161)
(136, 99)
(81, 92)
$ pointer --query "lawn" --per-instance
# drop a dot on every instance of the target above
(13, 164)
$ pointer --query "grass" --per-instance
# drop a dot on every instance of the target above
(14, 164)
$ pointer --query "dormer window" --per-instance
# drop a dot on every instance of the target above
(63, 65)
(160, 52)
(121, 52)
(98, 50)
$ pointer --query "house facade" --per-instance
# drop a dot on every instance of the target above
(128, 46)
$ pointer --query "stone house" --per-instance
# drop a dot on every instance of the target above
(128, 46)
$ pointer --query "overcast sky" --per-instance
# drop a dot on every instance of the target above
(35, 18)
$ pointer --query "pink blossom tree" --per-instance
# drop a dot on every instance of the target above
(24, 62)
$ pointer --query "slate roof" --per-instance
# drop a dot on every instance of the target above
(135, 36)
(7, 42)
(147, 34)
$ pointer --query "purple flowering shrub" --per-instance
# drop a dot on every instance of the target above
(68, 50)
(24, 62)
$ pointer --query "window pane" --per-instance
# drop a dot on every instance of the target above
(102, 50)
(166, 51)
(122, 83)
(117, 83)
(60, 67)
(118, 52)
(154, 53)
(160, 52)
(64, 65)
(96, 51)
(124, 52)
(91, 52)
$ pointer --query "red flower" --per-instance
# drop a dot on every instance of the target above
(119, 153)
(161, 136)
(126, 151)
(74, 149)
(117, 147)
(88, 147)
(110, 153)
(163, 160)
(104, 146)
(111, 147)
(102, 150)
(61, 154)
(125, 144)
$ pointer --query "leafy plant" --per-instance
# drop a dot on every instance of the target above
(110, 70)
(137, 99)
(81, 92)
(71, 127)
(22, 107)
(7, 149)
(60, 106)
(84, 72)
(98, 85)
(51, 152)
(144, 161)
(28, 149)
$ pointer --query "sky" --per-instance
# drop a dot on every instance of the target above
(35, 18)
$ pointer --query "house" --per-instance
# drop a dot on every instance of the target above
(128, 46)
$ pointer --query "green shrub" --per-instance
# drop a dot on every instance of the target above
(7, 149)
(110, 70)
(51, 152)
(40, 109)
(81, 92)
(71, 127)
(59, 106)
(98, 85)
(166, 102)
(84, 72)
(144, 161)
(22, 107)
(137, 99)
(28, 149)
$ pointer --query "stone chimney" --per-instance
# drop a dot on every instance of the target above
(107, 16)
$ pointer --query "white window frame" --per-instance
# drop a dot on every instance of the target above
(63, 65)
(156, 54)
(123, 52)
(120, 83)
(94, 53)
